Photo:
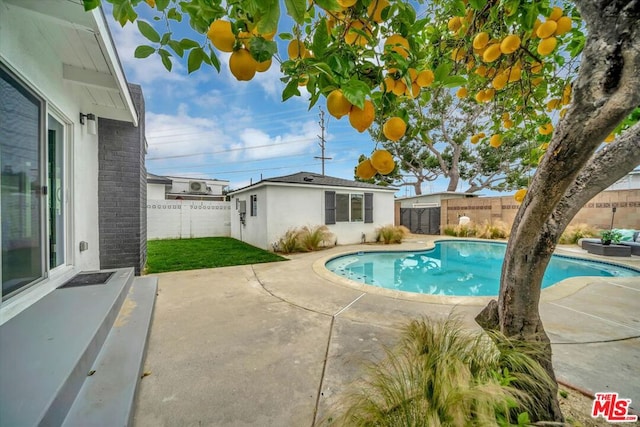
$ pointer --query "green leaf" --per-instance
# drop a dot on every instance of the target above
(286, 36)
(262, 49)
(320, 38)
(166, 58)
(214, 60)
(523, 419)
(330, 5)
(144, 51)
(453, 81)
(269, 16)
(195, 59)
(296, 9)
(173, 14)
(442, 71)
(161, 5)
(188, 44)
(176, 47)
(356, 91)
(477, 4)
(148, 31)
(90, 4)
(165, 38)
(290, 90)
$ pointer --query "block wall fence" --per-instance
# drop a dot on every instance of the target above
(597, 212)
(185, 219)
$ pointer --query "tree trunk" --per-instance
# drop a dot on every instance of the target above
(417, 187)
(454, 179)
(606, 91)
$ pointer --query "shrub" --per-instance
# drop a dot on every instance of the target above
(497, 230)
(450, 230)
(311, 238)
(442, 375)
(573, 233)
(391, 234)
(289, 242)
(303, 240)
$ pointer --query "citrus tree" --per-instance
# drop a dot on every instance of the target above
(517, 56)
(444, 140)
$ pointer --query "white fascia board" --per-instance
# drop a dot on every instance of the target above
(104, 35)
(315, 186)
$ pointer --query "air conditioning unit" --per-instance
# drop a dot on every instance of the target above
(198, 187)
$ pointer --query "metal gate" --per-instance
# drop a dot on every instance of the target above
(421, 220)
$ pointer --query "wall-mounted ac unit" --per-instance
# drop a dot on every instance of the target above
(198, 187)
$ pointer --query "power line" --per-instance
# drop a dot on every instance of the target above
(322, 141)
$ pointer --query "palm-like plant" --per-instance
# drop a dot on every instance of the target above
(442, 375)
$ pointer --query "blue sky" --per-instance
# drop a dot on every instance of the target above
(210, 125)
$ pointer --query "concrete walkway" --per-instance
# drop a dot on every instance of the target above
(276, 344)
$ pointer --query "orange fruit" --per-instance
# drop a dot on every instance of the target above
(492, 53)
(536, 67)
(296, 49)
(495, 140)
(508, 124)
(454, 24)
(354, 37)
(389, 84)
(564, 26)
(425, 78)
(555, 14)
(394, 128)
(547, 46)
(515, 73)
(480, 40)
(610, 138)
(547, 29)
(545, 129)
(361, 119)
(151, 3)
(263, 66)
(477, 137)
(519, 195)
(399, 88)
(221, 35)
(510, 44)
(500, 81)
(553, 104)
(365, 170)
(566, 95)
(481, 71)
(346, 3)
(375, 9)
(536, 25)
(398, 44)
(242, 65)
(337, 104)
(462, 92)
(458, 54)
(382, 160)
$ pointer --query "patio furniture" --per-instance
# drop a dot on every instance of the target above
(597, 248)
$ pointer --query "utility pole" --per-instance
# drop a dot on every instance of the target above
(322, 141)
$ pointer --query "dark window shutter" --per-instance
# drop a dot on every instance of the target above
(329, 207)
(368, 208)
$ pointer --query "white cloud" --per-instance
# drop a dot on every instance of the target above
(255, 144)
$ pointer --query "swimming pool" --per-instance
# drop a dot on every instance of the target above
(456, 268)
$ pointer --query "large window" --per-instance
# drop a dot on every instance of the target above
(21, 207)
(32, 190)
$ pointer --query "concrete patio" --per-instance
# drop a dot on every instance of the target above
(276, 344)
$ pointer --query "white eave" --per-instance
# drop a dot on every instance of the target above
(83, 44)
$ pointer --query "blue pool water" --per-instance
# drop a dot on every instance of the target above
(457, 268)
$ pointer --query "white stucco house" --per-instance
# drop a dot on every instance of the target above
(181, 188)
(262, 212)
(71, 144)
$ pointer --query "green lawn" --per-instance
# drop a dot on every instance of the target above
(209, 252)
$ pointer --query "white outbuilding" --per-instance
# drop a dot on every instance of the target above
(263, 212)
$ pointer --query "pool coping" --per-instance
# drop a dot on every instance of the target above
(555, 292)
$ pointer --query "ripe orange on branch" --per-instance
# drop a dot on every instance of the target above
(337, 104)
(383, 161)
(242, 65)
(394, 128)
(221, 35)
(365, 170)
(361, 119)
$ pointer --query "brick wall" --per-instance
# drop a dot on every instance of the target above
(122, 190)
(597, 212)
